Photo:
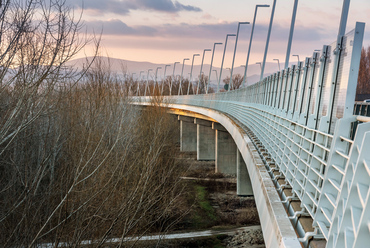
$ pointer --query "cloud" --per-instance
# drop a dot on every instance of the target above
(207, 16)
(213, 32)
(117, 27)
(182, 30)
(123, 7)
(107, 6)
(165, 5)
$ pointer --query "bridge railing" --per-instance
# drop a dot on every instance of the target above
(303, 116)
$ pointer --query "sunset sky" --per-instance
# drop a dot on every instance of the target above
(165, 31)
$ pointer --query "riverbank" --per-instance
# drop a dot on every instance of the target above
(215, 206)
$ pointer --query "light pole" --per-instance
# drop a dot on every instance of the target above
(236, 44)
(296, 56)
(222, 62)
(173, 76)
(216, 75)
(129, 88)
(147, 81)
(191, 74)
(259, 63)
(228, 88)
(291, 34)
(201, 68)
(268, 40)
(278, 63)
(155, 84)
(164, 77)
(137, 91)
(243, 77)
(210, 68)
(250, 41)
(182, 72)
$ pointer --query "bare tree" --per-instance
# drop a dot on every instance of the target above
(77, 162)
(237, 81)
(363, 86)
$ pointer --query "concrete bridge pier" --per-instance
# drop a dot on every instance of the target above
(188, 134)
(243, 181)
(205, 140)
(225, 150)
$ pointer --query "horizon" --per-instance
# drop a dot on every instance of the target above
(165, 31)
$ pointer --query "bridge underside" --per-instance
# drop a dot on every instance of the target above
(277, 228)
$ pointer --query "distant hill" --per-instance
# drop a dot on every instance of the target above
(122, 66)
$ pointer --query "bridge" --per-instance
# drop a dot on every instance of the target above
(293, 142)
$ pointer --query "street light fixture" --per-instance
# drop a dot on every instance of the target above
(173, 76)
(250, 41)
(291, 34)
(236, 44)
(138, 86)
(278, 63)
(259, 63)
(129, 88)
(155, 84)
(268, 39)
(216, 75)
(191, 74)
(147, 81)
(201, 68)
(222, 62)
(297, 57)
(182, 72)
(164, 77)
(210, 68)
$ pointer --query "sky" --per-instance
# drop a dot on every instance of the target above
(166, 31)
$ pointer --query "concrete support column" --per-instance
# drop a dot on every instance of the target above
(188, 134)
(243, 181)
(225, 151)
(176, 119)
(205, 140)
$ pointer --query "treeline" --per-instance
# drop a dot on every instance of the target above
(77, 161)
(363, 86)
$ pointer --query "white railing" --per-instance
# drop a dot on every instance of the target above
(303, 117)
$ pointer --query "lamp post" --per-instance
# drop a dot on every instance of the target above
(268, 40)
(222, 62)
(216, 75)
(259, 63)
(173, 76)
(191, 74)
(236, 44)
(147, 81)
(244, 70)
(182, 72)
(138, 88)
(250, 41)
(278, 63)
(291, 34)
(296, 56)
(201, 68)
(210, 68)
(164, 77)
(228, 88)
(129, 89)
(155, 84)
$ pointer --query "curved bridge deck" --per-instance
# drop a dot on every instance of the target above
(296, 130)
